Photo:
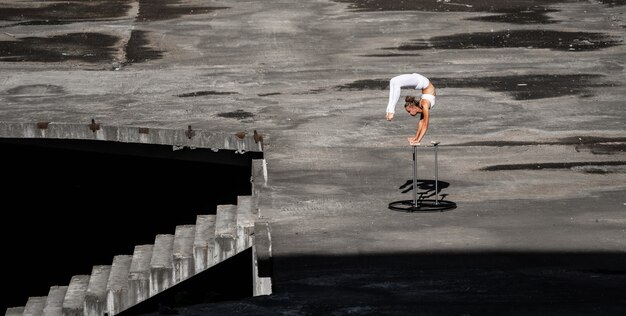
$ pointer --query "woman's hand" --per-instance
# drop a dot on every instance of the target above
(389, 116)
(413, 141)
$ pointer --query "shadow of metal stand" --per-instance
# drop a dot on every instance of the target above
(423, 205)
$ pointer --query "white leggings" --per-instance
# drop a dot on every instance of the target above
(394, 95)
(414, 80)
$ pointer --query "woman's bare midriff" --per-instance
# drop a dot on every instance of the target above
(429, 90)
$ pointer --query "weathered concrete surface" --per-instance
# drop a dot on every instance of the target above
(204, 242)
(183, 252)
(139, 274)
(117, 285)
(225, 232)
(34, 306)
(530, 113)
(54, 301)
(96, 294)
(161, 264)
(74, 302)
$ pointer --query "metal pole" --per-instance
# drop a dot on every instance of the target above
(436, 145)
(436, 178)
(414, 177)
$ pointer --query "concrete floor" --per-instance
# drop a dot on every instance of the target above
(530, 114)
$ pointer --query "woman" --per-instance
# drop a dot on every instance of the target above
(423, 105)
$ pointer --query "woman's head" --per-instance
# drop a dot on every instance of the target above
(411, 106)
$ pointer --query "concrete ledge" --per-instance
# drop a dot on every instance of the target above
(139, 274)
(96, 294)
(117, 286)
(129, 134)
(54, 301)
(183, 252)
(74, 302)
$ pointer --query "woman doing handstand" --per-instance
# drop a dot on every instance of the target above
(412, 106)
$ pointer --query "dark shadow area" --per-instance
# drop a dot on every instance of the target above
(536, 15)
(520, 87)
(150, 10)
(425, 188)
(72, 204)
(548, 39)
(138, 49)
(56, 13)
(440, 283)
(237, 114)
(88, 47)
(229, 280)
(593, 144)
(428, 195)
(203, 93)
(592, 166)
(510, 11)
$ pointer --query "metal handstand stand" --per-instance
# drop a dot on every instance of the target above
(423, 205)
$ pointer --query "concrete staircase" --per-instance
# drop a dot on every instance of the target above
(131, 279)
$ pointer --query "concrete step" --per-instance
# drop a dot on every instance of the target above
(96, 294)
(54, 301)
(74, 301)
(247, 213)
(34, 306)
(153, 268)
(117, 285)
(15, 311)
(161, 264)
(139, 274)
(225, 232)
(204, 242)
(183, 252)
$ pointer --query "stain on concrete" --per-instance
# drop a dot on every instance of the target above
(88, 47)
(531, 87)
(39, 22)
(366, 84)
(528, 16)
(607, 148)
(35, 90)
(238, 114)
(138, 49)
(390, 55)
(596, 145)
(594, 166)
(521, 87)
(150, 10)
(268, 94)
(445, 5)
(52, 13)
(55, 13)
(534, 39)
(612, 3)
(202, 93)
(512, 11)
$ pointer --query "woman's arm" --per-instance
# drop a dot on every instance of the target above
(422, 126)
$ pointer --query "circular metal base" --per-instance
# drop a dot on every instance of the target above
(422, 206)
